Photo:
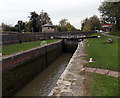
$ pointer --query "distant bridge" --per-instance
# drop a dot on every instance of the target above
(74, 37)
(16, 37)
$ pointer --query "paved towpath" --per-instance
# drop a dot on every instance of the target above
(102, 71)
(71, 82)
(105, 34)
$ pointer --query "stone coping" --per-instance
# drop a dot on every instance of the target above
(70, 82)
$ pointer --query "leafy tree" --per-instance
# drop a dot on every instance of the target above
(34, 25)
(63, 22)
(64, 25)
(33, 16)
(83, 23)
(43, 18)
(95, 22)
(5, 27)
(8, 27)
(91, 23)
(69, 27)
(86, 26)
(28, 26)
(33, 20)
(20, 26)
(36, 21)
(111, 13)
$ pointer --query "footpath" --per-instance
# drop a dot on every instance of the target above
(105, 34)
(71, 82)
(102, 71)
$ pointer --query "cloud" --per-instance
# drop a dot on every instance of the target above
(73, 10)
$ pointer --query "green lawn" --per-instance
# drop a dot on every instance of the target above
(114, 33)
(105, 55)
(102, 85)
(10, 49)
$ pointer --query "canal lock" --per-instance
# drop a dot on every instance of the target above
(17, 79)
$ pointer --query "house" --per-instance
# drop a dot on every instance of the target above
(48, 28)
(107, 27)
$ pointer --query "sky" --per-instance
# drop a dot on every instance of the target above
(73, 10)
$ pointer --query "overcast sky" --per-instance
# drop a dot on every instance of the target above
(74, 10)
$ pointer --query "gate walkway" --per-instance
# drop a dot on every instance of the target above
(102, 71)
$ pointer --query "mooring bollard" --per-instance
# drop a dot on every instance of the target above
(91, 60)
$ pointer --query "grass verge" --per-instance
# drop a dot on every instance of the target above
(101, 85)
(115, 33)
(10, 49)
(104, 55)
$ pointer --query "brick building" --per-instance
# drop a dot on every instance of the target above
(48, 28)
(107, 27)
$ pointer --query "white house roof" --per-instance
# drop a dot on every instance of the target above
(47, 25)
(107, 25)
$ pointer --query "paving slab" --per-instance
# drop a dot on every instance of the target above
(66, 94)
(70, 77)
(76, 67)
(113, 73)
(78, 86)
(88, 69)
(102, 71)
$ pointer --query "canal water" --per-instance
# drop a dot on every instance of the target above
(42, 84)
